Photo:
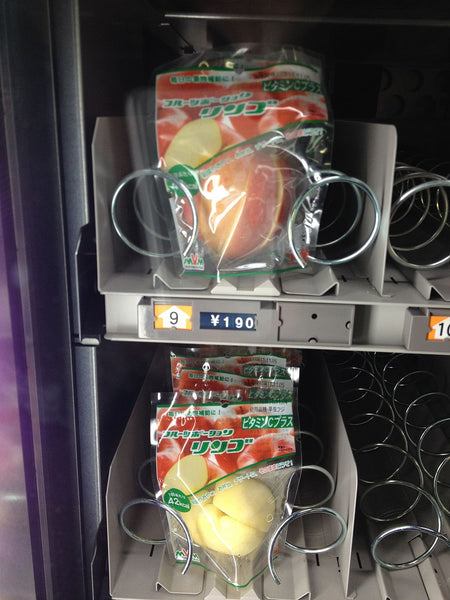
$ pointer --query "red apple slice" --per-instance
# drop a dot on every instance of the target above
(240, 206)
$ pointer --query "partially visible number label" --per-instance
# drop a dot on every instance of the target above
(439, 328)
(232, 321)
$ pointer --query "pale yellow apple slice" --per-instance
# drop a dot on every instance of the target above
(241, 538)
(209, 529)
(191, 520)
(194, 143)
(188, 475)
(250, 502)
(221, 533)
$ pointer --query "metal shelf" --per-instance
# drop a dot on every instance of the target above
(368, 304)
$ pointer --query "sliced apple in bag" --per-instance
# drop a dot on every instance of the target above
(194, 143)
(250, 502)
(241, 538)
(191, 519)
(221, 533)
(188, 475)
(240, 206)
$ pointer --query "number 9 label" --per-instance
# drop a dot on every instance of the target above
(168, 316)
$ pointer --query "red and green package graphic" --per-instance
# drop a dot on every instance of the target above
(232, 136)
(228, 438)
(226, 470)
(203, 111)
(262, 383)
(251, 365)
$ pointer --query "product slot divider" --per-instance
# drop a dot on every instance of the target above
(110, 163)
(372, 159)
(427, 580)
(163, 277)
(415, 583)
(316, 280)
(170, 578)
(293, 571)
(431, 283)
(436, 574)
(258, 285)
(400, 584)
(429, 571)
(339, 459)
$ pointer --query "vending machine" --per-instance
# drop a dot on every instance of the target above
(225, 286)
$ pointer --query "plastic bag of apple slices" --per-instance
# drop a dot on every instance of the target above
(251, 365)
(230, 471)
(245, 130)
(266, 364)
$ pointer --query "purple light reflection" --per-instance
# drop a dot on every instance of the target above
(16, 567)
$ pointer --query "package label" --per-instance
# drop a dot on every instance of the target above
(228, 438)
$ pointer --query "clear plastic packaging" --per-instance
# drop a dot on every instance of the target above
(240, 135)
(257, 367)
(226, 473)
(229, 465)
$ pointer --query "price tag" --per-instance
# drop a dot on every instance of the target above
(170, 316)
(231, 321)
(439, 328)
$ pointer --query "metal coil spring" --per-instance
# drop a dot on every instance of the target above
(419, 232)
(336, 238)
(147, 183)
(292, 515)
(402, 449)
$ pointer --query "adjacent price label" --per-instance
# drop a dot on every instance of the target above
(231, 321)
(170, 316)
(439, 328)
